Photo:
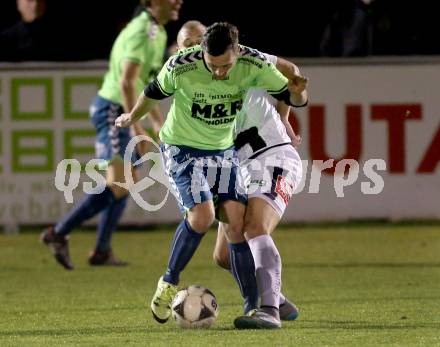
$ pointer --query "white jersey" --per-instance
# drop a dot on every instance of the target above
(258, 125)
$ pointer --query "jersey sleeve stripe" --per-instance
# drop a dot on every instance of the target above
(252, 53)
(278, 91)
(163, 90)
(155, 91)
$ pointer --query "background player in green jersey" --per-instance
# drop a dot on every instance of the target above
(208, 85)
(136, 57)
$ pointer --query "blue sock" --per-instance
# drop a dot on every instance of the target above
(108, 223)
(185, 243)
(90, 206)
(243, 269)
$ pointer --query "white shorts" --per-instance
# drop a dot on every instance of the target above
(273, 176)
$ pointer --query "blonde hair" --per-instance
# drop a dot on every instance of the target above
(190, 34)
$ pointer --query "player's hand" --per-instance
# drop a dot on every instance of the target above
(296, 141)
(297, 84)
(123, 121)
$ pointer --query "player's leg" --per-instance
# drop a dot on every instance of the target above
(185, 242)
(109, 219)
(221, 251)
(231, 198)
(240, 256)
(187, 238)
(56, 237)
(199, 216)
(266, 205)
(224, 252)
(104, 113)
(288, 310)
(260, 221)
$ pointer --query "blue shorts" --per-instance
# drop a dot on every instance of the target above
(110, 141)
(197, 175)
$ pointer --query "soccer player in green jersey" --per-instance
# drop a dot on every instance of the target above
(136, 57)
(264, 207)
(208, 83)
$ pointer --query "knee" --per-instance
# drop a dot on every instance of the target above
(201, 224)
(234, 232)
(236, 226)
(201, 220)
(253, 229)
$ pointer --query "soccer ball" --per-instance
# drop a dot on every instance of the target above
(194, 307)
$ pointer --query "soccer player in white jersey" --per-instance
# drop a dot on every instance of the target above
(265, 143)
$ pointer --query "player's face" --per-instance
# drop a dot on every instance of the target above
(31, 10)
(189, 38)
(222, 64)
(169, 9)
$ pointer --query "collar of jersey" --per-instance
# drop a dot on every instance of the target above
(151, 16)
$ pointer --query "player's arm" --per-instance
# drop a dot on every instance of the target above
(162, 87)
(130, 73)
(297, 83)
(283, 81)
(144, 104)
(127, 84)
(284, 111)
(289, 70)
(156, 119)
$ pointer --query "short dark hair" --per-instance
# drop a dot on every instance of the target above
(219, 37)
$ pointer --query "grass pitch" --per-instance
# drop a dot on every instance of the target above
(364, 285)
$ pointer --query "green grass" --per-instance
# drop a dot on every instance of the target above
(365, 285)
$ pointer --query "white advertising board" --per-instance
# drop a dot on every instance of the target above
(386, 112)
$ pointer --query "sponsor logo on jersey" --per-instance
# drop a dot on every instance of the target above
(284, 188)
(259, 183)
(179, 70)
(216, 114)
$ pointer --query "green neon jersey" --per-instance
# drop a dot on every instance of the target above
(142, 41)
(203, 111)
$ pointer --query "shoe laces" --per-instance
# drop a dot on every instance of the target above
(252, 312)
(168, 292)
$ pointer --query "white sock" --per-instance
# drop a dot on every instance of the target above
(282, 299)
(267, 269)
